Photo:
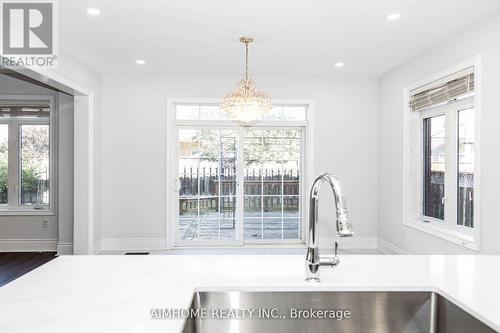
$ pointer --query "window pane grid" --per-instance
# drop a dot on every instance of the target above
(214, 112)
(206, 229)
(268, 180)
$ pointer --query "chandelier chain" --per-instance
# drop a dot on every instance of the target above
(246, 61)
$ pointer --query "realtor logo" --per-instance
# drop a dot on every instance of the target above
(28, 34)
(27, 28)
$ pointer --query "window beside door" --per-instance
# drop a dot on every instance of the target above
(25, 155)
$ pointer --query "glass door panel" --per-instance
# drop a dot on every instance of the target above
(271, 179)
(207, 184)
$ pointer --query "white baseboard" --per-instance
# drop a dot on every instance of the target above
(132, 244)
(389, 248)
(28, 245)
(64, 248)
(159, 244)
(348, 242)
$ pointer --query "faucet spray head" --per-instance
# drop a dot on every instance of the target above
(344, 226)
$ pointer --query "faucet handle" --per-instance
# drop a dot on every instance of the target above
(335, 259)
(330, 260)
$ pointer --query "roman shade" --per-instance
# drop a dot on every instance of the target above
(444, 90)
(24, 109)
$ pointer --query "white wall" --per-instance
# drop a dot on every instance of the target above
(133, 133)
(25, 233)
(482, 38)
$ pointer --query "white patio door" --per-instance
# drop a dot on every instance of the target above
(232, 184)
(238, 186)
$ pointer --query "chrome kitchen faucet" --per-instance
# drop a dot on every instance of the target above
(344, 228)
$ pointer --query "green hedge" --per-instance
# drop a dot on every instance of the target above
(31, 179)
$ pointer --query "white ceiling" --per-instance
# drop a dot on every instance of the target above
(292, 37)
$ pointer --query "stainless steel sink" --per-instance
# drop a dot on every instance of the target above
(334, 312)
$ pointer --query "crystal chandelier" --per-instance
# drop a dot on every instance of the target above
(246, 103)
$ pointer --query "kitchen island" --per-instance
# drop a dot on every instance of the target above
(118, 293)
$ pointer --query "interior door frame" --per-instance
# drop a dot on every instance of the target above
(83, 186)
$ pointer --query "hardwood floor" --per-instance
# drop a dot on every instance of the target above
(15, 264)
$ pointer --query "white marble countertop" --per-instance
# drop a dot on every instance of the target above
(116, 293)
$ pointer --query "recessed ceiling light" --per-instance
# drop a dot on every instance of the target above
(93, 11)
(339, 64)
(393, 17)
(140, 62)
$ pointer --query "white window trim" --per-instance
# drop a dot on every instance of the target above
(6, 210)
(171, 214)
(412, 179)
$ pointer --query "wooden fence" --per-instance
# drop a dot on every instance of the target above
(434, 207)
(279, 188)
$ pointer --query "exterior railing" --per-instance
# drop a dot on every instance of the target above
(269, 188)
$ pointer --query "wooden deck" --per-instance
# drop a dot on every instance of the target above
(225, 229)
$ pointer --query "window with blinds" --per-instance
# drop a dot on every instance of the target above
(447, 111)
(442, 155)
(442, 91)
